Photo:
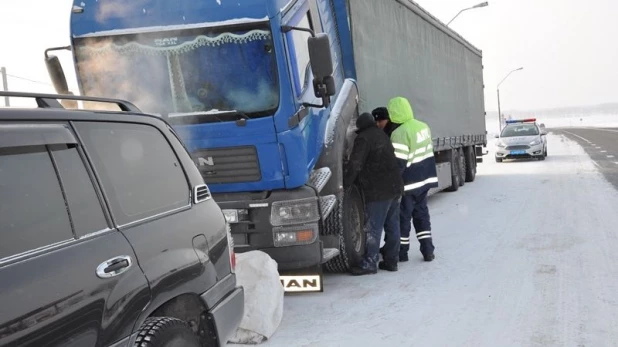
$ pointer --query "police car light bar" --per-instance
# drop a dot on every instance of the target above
(521, 120)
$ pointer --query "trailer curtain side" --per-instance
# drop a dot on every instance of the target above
(400, 50)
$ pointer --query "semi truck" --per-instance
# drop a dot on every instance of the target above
(265, 94)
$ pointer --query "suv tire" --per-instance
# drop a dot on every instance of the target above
(166, 332)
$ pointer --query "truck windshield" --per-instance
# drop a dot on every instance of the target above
(192, 71)
(520, 130)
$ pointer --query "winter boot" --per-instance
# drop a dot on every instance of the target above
(360, 271)
(429, 257)
(387, 266)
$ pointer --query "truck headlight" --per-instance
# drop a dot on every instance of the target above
(535, 142)
(294, 211)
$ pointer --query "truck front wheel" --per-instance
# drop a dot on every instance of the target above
(347, 222)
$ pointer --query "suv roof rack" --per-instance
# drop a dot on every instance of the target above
(51, 100)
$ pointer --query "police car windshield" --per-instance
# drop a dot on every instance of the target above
(519, 130)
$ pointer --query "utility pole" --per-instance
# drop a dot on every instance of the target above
(5, 85)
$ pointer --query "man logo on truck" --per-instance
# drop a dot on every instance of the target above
(207, 161)
(310, 283)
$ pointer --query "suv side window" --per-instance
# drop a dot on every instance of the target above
(33, 212)
(138, 169)
(86, 211)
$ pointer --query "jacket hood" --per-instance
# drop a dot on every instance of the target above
(365, 121)
(399, 110)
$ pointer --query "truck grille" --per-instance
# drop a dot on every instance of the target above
(517, 147)
(228, 165)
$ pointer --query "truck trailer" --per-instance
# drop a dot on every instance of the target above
(265, 95)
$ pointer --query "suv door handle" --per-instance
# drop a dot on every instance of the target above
(114, 267)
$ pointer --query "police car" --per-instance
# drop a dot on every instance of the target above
(521, 139)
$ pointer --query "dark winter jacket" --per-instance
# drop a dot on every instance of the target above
(390, 127)
(373, 164)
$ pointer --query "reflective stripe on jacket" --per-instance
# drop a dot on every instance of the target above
(413, 146)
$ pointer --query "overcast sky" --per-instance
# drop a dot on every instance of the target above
(567, 47)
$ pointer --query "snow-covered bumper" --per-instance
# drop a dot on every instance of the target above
(519, 151)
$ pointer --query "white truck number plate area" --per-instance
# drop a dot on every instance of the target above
(305, 283)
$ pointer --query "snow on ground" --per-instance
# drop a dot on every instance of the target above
(525, 256)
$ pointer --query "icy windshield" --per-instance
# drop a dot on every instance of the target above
(183, 71)
(520, 130)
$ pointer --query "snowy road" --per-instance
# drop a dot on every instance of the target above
(525, 256)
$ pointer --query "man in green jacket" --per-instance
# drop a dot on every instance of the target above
(413, 146)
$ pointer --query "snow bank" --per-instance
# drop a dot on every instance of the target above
(257, 272)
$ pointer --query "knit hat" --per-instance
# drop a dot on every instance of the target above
(380, 113)
(365, 121)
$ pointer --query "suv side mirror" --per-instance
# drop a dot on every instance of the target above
(543, 132)
(496, 136)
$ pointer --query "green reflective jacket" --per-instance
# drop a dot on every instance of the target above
(413, 146)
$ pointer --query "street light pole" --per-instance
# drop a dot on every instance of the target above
(499, 114)
(482, 4)
(498, 90)
(5, 86)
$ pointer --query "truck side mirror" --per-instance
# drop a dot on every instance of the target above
(56, 74)
(319, 55)
(59, 80)
(322, 67)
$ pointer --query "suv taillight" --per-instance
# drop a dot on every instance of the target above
(230, 247)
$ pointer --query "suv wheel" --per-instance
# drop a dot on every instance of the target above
(166, 332)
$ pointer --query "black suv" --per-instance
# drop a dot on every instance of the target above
(108, 234)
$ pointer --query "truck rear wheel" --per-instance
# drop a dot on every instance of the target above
(347, 222)
(463, 166)
(455, 168)
(471, 160)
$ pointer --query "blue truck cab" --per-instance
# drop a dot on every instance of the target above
(263, 95)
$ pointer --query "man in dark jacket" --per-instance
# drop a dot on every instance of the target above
(373, 166)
